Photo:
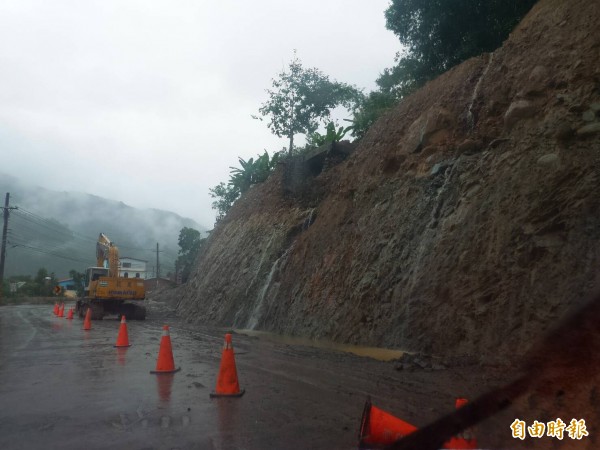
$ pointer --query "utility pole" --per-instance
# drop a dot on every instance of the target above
(157, 264)
(6, 210)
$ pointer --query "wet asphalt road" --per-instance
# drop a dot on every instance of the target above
(62, 387)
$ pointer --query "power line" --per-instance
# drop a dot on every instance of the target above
(32, 232)
(45, 223)
(20, 240)
(46, 252)
(135, 248)
(58, 228)
(18, 244)
(17, 241)
(168, 253)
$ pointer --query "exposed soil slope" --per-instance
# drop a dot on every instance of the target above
(466, 222)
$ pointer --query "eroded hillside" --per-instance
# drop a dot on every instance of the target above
(466, 221)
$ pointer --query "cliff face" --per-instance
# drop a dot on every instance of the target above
(466, 221)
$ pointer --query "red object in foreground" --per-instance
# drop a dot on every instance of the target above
(379, 429)
(87, 322)
(227, 381)
(123, 337)
(165, 362)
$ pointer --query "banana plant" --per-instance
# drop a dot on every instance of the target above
(252, 171)
(331, 135)
(241, 178)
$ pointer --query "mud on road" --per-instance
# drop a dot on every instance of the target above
(62, 387)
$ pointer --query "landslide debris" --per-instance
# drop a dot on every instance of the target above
(465, 223)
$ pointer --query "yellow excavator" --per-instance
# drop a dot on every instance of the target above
(108, 293)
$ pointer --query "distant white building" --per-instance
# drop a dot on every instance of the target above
(132, 268)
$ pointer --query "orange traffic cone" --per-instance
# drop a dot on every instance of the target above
(87, 322)
(165, 362)
(70, 314)
(55, 309)
(227, 381)
(61, 310)
(379, 428)
(466, 439)
(123, 337)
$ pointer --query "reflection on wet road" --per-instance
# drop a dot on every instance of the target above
(62, 387)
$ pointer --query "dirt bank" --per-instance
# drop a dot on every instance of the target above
(464, 224)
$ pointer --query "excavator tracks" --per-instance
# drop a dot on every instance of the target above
(100, 309)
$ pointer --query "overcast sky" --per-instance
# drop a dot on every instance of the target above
(149, 102)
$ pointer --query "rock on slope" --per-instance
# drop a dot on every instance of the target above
(465, 222)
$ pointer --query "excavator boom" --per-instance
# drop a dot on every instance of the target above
(107, 255)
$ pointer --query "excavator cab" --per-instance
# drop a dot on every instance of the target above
(94, 274)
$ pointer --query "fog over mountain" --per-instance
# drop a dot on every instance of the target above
(58, 230)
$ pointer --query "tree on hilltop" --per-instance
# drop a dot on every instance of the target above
(302, 98)
(439, 34)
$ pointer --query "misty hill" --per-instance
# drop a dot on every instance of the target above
(58, 230)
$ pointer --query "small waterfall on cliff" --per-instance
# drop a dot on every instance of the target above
(309, 220)
(439, 200)
(265, 252)
(260, 300)
(470, 117)
(426, 243)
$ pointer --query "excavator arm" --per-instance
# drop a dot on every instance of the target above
(107, 255)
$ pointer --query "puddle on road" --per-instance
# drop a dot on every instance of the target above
(381, 354)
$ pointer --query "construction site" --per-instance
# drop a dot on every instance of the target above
(434, 285)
